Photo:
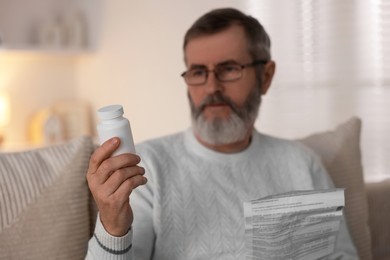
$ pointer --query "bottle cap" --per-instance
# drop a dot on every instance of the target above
(109, 112)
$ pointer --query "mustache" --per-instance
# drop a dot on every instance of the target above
(216, 99)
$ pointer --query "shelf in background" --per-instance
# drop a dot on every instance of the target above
(50, 26)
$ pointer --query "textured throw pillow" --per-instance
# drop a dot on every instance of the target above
(44, 202)
(340, 153)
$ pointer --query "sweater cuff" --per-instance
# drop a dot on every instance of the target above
(111, 244)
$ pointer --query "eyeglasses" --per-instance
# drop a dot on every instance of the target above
(223, 72)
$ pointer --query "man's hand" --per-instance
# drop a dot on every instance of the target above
(111, 181)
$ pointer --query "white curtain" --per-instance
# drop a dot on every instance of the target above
(333, 62)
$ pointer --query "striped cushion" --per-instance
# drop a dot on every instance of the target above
(44, 202)
(340, 153)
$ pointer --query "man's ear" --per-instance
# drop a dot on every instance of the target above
(267, 76)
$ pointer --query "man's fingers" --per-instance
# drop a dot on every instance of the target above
(129, 185)
(101, 153)
(116, 198)
(118, 177)
(112, 164)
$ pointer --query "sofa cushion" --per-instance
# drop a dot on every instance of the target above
(378, 194)
(44, 202)
(340, 153)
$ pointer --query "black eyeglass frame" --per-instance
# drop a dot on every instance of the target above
(241, 66)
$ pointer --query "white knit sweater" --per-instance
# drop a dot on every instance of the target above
(192, 205)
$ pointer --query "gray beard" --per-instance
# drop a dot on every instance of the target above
(220, 131)
(226, 131)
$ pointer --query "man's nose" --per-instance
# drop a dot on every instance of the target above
(212, 84)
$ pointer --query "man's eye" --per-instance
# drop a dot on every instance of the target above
(229, 68)
(197, 73)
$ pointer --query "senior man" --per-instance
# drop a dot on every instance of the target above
(187, 196)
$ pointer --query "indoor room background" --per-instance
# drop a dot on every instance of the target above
(332, 63)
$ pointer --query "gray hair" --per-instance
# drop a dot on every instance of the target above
(219, 19)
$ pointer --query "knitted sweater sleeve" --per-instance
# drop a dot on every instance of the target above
(104, 246)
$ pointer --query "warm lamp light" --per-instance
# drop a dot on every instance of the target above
(4, 113)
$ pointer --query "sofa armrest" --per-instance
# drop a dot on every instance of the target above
(378, 195)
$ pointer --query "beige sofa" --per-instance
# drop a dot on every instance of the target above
(47, 212)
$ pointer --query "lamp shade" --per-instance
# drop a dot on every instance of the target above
(4, 109)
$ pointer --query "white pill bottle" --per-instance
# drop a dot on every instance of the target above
(113, 124)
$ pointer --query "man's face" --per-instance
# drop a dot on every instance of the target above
(223, 111)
